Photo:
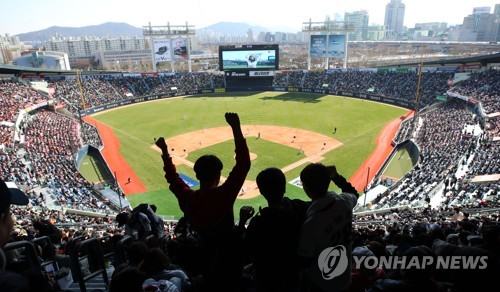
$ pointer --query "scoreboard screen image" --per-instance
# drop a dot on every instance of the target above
(248, 57)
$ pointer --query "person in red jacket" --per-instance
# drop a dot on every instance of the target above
(210, 208)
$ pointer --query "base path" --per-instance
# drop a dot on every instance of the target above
(115, 161)
(382, 151)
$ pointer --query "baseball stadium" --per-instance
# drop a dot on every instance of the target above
(417, 142)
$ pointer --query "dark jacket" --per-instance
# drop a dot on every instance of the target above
(272, 236)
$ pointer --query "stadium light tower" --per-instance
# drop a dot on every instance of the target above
(169, 43)
(328, 46)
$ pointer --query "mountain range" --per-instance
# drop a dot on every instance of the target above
(114, 29)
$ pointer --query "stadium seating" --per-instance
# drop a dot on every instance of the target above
(37, 154)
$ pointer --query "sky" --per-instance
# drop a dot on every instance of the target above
(30, 15)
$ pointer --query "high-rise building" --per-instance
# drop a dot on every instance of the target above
(496, 12)
(434, 26)
(480, 26)
(250, 36)
(10, 48)
(394, 18)
(360, 21)
(376, 32)
(85, 48)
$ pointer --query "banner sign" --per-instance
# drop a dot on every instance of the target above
(318, 46)
(162, 51)
(469, 67)
(236, 74)
(179, 47)
(336, 46)
(152, 74)
(451, 69)
(189, 181)
(39, 104)
(29, 76)
(261, 73)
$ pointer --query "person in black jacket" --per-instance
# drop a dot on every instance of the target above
(272, 235)
(9, 281)
(46, 228)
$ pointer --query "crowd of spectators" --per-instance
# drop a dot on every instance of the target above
(438, 232)
(90, 135)
(449, 157)
(400, 85)
(437, 140)
(441, 150)
(51, 141)
(103, 90)
(483, 86)
(453, 152)
(405, 131)
(96, 92)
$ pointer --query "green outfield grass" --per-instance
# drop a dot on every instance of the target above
(358, 124)
(399, 164)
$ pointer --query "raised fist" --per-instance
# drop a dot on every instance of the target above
(232, 119)
(162, 145)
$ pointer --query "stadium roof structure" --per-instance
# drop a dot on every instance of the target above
(483, 60)
(20, 70)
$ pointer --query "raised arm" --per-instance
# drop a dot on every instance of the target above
(160, 143)
(234, 121)
(236, 178)
(341, 182)
(177, 185)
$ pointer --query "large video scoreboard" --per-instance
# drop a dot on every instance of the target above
(248, 57)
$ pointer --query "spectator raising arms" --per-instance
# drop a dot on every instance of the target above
(328, 226)
(210, 209)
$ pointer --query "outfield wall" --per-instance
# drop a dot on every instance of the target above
(371, 97)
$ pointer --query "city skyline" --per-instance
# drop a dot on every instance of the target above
(17, 19)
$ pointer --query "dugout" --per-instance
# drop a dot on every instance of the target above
(93, 167)
(414, 154)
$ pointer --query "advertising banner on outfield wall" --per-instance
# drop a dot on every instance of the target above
(143, 99)
(162, 51)
(387, 100)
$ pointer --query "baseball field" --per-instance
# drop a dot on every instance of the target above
(285, 130)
